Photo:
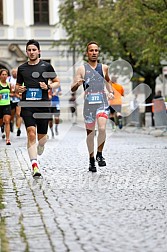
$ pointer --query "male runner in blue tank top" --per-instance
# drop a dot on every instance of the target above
(94, 77)
(35, 74)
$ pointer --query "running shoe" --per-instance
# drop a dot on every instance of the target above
(92, 168)
(3, 135)
(52, 135)
(8, 142)
(40, 149)
(101, 160)
(18, 132)
(2, 128)
(36, 172)
(120, 122)
(56, 131)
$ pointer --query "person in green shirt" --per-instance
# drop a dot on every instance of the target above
(5, 109)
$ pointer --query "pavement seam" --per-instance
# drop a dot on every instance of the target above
(22, 229)
(34, 197)
(39, 209)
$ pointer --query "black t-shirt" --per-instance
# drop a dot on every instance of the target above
(31, 75)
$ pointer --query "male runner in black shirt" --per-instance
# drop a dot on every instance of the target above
(32, 83)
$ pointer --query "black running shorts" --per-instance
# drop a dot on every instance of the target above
(29, 119)
(5, 110)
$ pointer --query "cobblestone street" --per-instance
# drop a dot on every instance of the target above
(121, 208)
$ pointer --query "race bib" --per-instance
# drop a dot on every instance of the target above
(34, 94)
(4, 97)
(94, 98)
(58, 106)
(15, 99)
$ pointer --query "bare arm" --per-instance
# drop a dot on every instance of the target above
(108, 82)
(78, 79)
(19, 88)
(55, 83)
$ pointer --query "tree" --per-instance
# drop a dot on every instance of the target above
(135, 30)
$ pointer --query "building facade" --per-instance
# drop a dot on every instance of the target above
(21, 20)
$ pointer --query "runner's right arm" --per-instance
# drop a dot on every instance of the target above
(78, 80)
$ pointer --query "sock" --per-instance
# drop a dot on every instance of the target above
(34, 163)
(99, 154)
(92, 160)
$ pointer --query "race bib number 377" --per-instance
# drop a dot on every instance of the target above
(33, 94)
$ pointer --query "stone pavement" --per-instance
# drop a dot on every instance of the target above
(121, 208)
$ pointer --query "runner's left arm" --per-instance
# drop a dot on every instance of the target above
(55, 83)
(108, 83)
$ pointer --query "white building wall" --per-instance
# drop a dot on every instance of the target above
(19, 21)
(19, 27)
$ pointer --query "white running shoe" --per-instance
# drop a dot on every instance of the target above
(40, 149)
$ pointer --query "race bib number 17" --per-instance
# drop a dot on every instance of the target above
(34, 94)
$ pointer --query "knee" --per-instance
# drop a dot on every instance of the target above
(31, 135)
(7, 120)
(17, 115)
(102, 129)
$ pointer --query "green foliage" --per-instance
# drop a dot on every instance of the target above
(135, 30)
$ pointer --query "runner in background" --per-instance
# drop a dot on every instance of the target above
(14, 101)
(54, 94)
(73, 108)
(115, 105)
(5, 109)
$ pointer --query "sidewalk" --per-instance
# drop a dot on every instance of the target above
(121, 208)
(156, 132)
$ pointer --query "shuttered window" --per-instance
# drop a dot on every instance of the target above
(41, 12)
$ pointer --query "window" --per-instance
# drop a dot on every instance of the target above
(41, 12)
(1, 12)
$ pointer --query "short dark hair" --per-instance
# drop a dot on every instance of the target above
(33, 42)
(90, 43)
